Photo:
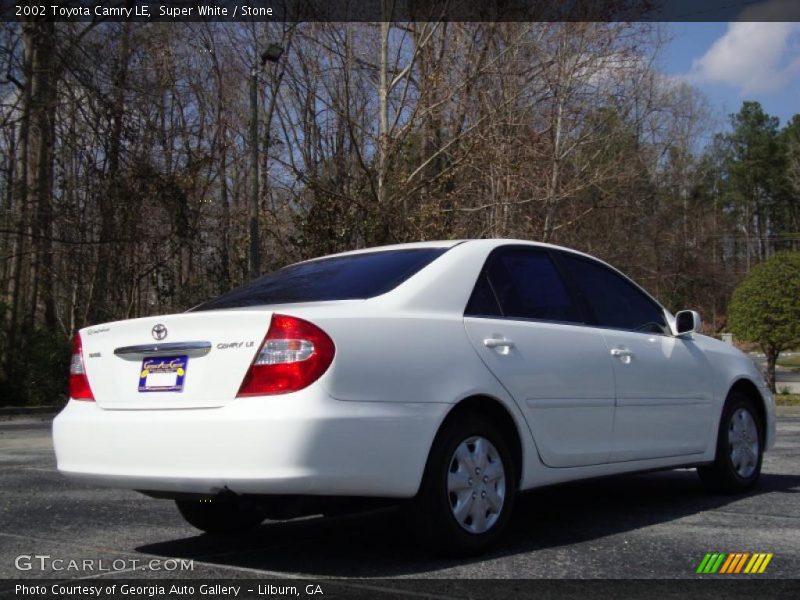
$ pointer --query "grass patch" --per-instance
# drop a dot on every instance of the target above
(787, 399)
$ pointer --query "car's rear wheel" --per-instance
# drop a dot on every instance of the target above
(740, 448)
(468, 489)
(221, 516)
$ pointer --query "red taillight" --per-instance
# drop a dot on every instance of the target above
(294, 355)
(78, 382)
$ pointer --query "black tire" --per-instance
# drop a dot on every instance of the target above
(221, 516)
(723, 475)
(432, 518)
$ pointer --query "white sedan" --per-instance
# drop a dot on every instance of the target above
(452, 374)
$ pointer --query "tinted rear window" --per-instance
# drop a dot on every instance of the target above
(528, 286)
(351, 277)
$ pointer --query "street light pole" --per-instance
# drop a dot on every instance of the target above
(272, 53)
(255, 256)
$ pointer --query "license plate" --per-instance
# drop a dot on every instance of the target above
(163, 374)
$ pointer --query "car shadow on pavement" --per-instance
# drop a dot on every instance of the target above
(377, 544)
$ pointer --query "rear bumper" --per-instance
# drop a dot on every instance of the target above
(301, 443)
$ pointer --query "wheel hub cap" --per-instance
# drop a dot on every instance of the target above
(743, 443)
(476, 484)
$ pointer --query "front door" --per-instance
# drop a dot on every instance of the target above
(663, 385)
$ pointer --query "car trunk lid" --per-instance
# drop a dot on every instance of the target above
(188, 360)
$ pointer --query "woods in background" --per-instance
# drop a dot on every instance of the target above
(125, 173)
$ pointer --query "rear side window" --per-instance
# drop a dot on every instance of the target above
(527, 285)
(356, 276)
(615, 301)
(483, 302)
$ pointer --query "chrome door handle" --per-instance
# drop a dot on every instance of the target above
(498, 343)
(624, 355)
(621, 352)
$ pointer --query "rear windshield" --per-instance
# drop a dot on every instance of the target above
(356, 276)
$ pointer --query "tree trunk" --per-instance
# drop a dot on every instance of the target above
(9, 208)
(21, 261)
(98, 309)
(383, 110)
(557, 133)
(555, 172)
(42, 131)
(769, 375)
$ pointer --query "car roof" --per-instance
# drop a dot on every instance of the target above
(488, 243)
(405, 246)
(448, 244)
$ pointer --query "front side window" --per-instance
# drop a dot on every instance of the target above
(526, 284)
(615, 301)
(349, 277)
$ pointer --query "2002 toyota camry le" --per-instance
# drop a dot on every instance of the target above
(452, 374)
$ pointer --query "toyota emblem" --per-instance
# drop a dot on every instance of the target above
(159, 332)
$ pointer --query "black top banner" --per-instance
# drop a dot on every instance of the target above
(402, 10)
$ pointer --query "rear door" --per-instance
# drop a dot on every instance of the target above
(189, 360)
(526, 328)
(663, 383)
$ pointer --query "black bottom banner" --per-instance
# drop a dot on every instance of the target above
(443, 589)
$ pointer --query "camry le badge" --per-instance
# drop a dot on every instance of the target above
(159, 332)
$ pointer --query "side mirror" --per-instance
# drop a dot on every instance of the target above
(687, 321)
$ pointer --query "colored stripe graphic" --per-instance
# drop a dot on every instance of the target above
(754, 562)
(711, 560)
(719, 562)
(737, 557)
(734, 561)
(703, 563)
(740, 564)
(765, 563)
(714, 565)
(727, 564)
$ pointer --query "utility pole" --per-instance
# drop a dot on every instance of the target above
(272, 53)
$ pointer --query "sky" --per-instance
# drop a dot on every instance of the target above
(734, 62)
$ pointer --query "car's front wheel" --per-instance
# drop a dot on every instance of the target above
(468, 489)
(221, 515)
(740, 448)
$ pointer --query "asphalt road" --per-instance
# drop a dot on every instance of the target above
(657, 525)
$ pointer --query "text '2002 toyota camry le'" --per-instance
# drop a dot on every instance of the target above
(450, 374)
